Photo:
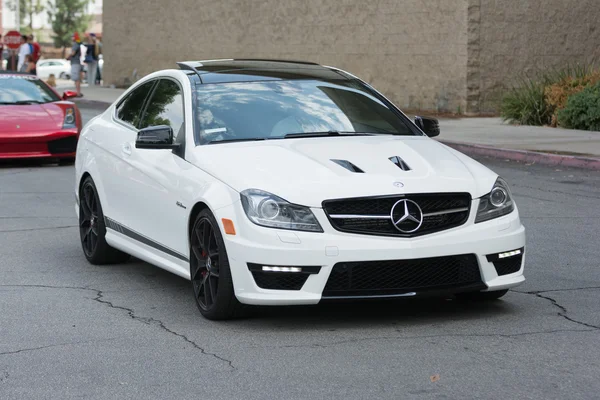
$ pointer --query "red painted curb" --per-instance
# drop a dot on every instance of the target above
(526, 156)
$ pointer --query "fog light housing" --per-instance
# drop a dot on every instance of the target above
(507, 262)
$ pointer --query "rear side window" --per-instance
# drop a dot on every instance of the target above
(130, 110)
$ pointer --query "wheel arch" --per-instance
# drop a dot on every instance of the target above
(196, 209)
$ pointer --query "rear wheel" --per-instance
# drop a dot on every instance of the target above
(92, 230)
(481, 296)
(209, 270)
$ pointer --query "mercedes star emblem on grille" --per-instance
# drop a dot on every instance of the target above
(407, 216)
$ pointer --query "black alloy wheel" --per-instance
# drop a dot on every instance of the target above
(205, 264)
(88, 219)
(92, 230)
(209, 270)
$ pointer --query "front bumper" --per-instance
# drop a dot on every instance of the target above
(273, 247)
(54, 144)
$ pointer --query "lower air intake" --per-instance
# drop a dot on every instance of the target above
(393, 277)
(509, 265)
(279, 280)
(64, 145)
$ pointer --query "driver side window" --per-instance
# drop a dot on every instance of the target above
(166, 108)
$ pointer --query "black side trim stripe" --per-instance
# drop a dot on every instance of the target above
(115, 226)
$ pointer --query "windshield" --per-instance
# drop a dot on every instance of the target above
(24, 89)
(276, 109)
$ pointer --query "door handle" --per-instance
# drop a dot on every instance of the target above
(127, 148)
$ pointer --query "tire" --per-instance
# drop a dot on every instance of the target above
(62, 76)
(481, 296)
(210, 272)
(92, 228)
(66, 161)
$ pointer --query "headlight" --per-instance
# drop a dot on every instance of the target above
(69, 121)
(266, 209)
(495, 204)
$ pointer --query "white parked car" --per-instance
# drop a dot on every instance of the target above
(60, 68)
(281, 183)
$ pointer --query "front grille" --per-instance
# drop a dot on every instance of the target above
(508, 265)
(373, 278)
(279, 280)
(372, 215)
(64, 145)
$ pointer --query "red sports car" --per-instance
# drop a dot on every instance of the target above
(35, 121)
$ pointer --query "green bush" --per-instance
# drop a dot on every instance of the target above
(526, 104)
(582, 110)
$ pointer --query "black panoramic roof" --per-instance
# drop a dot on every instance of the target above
(248, 70)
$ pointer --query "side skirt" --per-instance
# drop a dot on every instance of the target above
(144, 248)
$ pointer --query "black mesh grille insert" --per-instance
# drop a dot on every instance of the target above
(508, 265)
(280, 280)
(382, 206)
(372, 278)
(64, 145)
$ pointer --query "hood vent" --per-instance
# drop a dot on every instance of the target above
(349, 166)
(400, 163)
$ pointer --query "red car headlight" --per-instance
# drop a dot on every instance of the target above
(70, 119)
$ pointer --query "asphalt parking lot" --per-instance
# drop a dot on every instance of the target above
(72, 330)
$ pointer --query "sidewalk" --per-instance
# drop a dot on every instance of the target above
(96, 95)
(476, 136)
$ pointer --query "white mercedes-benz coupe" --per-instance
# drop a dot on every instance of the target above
(279, 182)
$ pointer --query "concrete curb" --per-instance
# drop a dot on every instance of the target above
(526, 156)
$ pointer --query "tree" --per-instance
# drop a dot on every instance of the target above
(67, 17)
(27, 8)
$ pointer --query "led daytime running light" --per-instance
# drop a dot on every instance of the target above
(509, 254)
(281, 269)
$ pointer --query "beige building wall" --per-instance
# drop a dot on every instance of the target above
(512, 37)
(414, 51)
(450, 55)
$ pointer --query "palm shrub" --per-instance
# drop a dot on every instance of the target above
(526, 104)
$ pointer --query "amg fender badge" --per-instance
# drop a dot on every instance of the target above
(180, 205)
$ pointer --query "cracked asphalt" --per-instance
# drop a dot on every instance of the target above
(72, 330)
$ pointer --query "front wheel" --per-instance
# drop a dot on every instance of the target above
(481, 296)
(209, 270)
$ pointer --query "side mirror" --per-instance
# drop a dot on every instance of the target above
(69, 94)
(155, 137)
(430, 126)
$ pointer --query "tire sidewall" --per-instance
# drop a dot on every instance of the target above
(101, 227)
(225, 291)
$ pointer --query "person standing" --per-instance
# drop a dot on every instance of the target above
(75, 58)
(91, 59)
(23, 51)
(36, 49)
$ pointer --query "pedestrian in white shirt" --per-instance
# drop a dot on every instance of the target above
(23, 51)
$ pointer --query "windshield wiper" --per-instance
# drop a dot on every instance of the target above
(323, 134)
